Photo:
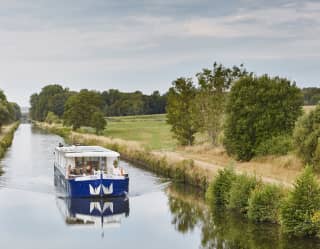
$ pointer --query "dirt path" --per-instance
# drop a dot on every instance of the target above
(213, 168)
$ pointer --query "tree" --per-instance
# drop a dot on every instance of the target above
(8, 111)
(258, 109)
(80, 107)
(311, 95)
(306, 137)
(211, 97)
(302, 203)
(52, 98)
(4, 113)
(180, 112)
(98, 121)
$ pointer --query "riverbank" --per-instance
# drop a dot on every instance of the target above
(195, 165)
(179, 169)
(6, 138)
(154, 134)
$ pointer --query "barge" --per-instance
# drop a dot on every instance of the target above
(89, 171)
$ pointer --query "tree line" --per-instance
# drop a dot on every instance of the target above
(9, 111)
(311, 95)
(88, 108)
(249, 115)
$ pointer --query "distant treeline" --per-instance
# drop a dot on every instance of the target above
(88, 108)
(311, 95)
(9, 111)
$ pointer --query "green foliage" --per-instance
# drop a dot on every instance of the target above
(300, 206)
(52, 98)
(80, 108)
(9, 111)
(307, 137)
(211, 97)
(180, 112)
(276, 145)
(118, 103)
(6, 140)
(240, 191)
(52, 118)
(218, 192)
(98, 121)
(258, 109)
(264, 203)
(311, 95)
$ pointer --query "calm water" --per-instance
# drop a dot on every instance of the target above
(157, 214)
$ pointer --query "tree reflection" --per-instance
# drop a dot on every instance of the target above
(222, 229)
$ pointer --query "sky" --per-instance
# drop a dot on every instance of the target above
(144, 45)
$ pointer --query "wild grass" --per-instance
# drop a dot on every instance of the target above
(308, 108)
(6, 138)
(151, 131)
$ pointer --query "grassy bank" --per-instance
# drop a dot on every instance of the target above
(147, 140)
(6, 138)
(152, 133)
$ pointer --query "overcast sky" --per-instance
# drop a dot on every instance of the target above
(145, 45)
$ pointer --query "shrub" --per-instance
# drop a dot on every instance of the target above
(277, 145)
(259, 108)
(218, 191)
(52, 118)
(240, 192)
(264, 203)
(307, 137)
(300, 206)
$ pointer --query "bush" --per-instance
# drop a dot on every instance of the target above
(218, 192)
(307, 137)
(240, 192)
(264, 203)
(258, 109)
(52, 118)
(277, 145)
(301, 205)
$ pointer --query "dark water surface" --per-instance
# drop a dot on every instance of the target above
(157, 214)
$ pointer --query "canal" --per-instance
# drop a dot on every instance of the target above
(156, 214)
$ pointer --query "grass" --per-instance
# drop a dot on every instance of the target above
(151, 131)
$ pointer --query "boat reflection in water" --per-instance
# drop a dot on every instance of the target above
(103, 212)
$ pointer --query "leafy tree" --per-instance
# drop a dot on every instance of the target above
(258, 109)
(180, 113)
(302, 203)
(211, 97)
(52, 98)
(80, 107)
(307, 137)
(15, 111)
(8, 111)
(98, 121)
(4, 113)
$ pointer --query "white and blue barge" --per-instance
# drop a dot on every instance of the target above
(90, 171)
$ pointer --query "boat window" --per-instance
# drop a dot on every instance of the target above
(85, 165)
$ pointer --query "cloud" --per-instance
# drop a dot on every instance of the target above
(113, 43)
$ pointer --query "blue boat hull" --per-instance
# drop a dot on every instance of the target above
(91, 188)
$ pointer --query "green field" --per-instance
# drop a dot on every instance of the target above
(150, 130)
